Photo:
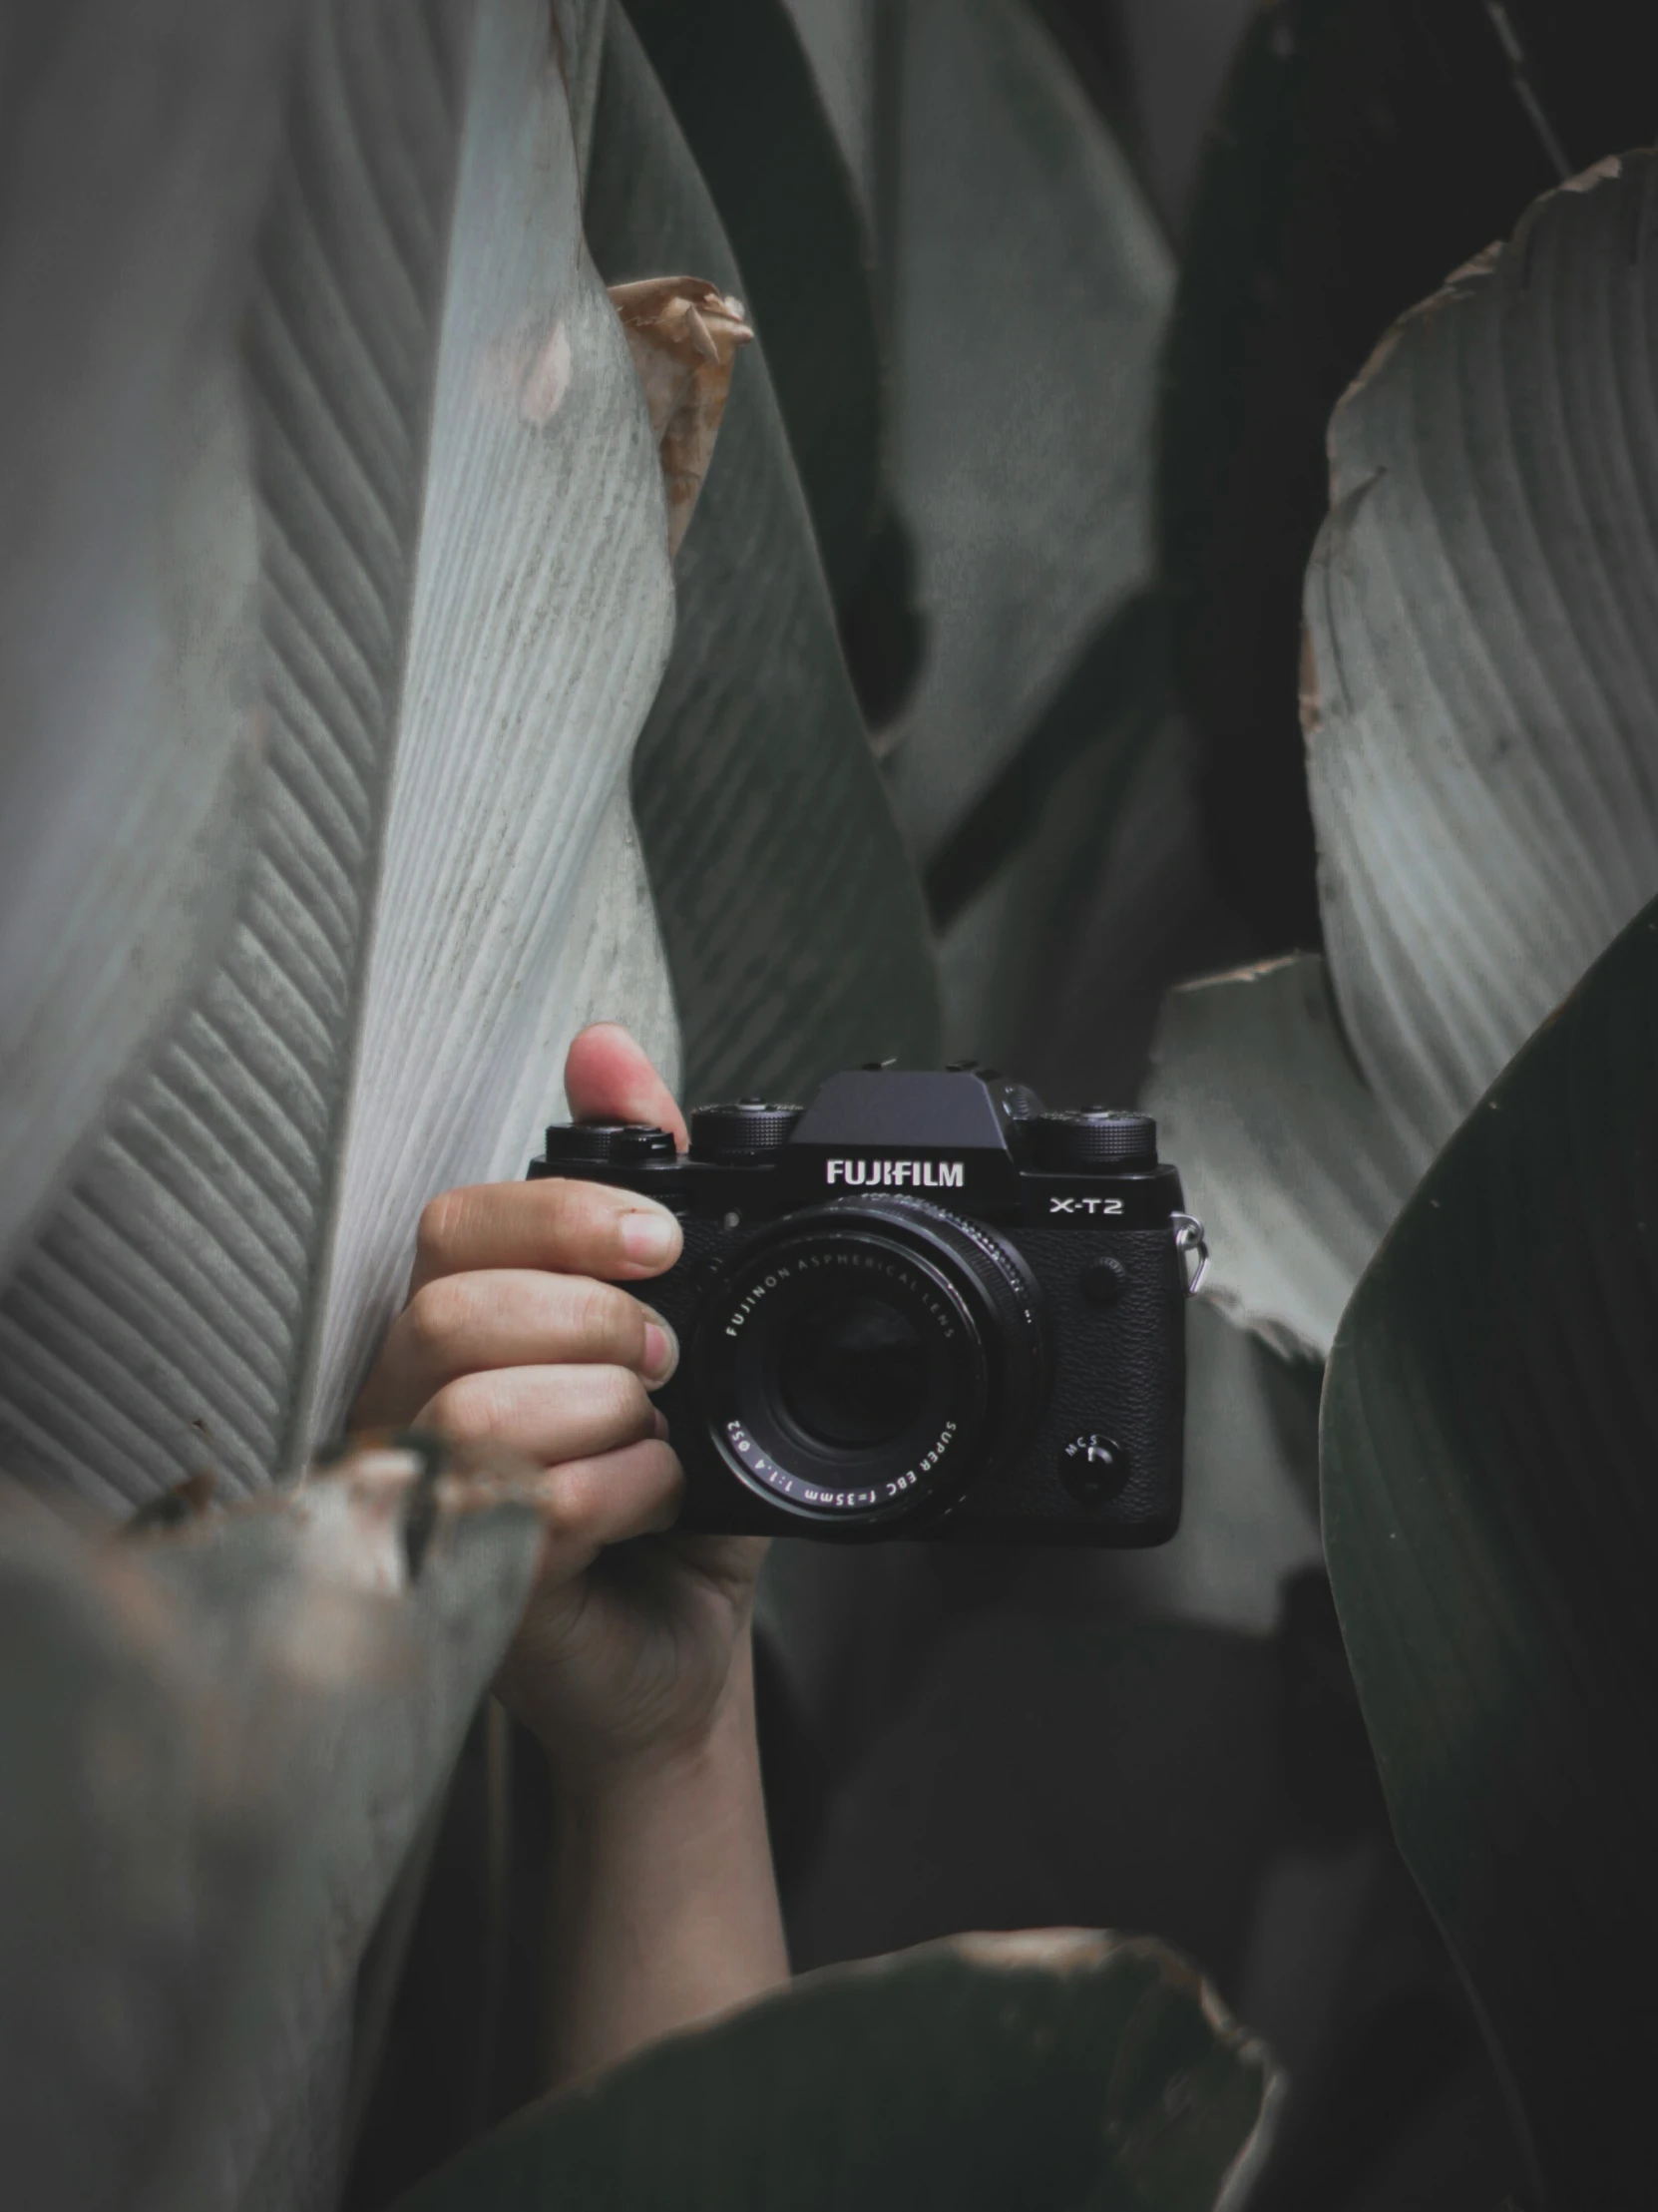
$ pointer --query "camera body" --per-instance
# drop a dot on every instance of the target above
(922, 1307)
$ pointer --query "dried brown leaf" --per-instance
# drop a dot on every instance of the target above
(683, 334)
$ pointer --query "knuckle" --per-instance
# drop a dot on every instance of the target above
(568, 1206)
(627, 1404)
(439, 1313)
(469, 1410)
(441, 1225)
(604, 1318)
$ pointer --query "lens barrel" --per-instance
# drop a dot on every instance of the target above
(860, 1362)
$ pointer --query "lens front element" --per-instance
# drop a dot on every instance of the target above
(859, 1362)
(852, 1371)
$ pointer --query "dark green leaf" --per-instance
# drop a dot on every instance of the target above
(1053, 2071)
(1030, 292)
(1363, 149)
(1030, 981)
(1109, 705)
(790, 910)
(1488, 1437)
(743, 94)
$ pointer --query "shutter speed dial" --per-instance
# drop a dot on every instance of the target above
(1094, 1136)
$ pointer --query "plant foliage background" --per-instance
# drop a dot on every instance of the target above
(1171, 611)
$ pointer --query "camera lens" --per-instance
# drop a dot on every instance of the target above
(852, 1371)
(860, 1362)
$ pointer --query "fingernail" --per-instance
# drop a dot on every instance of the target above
(662, 1353)
(649, 1240)
(661, 1420)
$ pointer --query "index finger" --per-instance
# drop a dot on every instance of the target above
(558, 1224)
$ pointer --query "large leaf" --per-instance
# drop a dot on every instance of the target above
(1049, 2070)
(1488, 1433)
(1075, 891)
(1293, 1168)
(1030, 284)
(840, 40)
(1483, 618)
(545, 656)
(1364, 148)
(219, 1744)
(1157, 66)
(790, 910)
(137, 142)
(742, 92)
(466, 605)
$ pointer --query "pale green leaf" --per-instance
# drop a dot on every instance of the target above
(466, 607)
(1482, 621)
(220, 1743)
(139, 143)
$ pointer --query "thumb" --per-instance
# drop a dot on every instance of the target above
(608, 1078)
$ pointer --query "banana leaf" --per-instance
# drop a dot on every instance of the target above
(1030, 286)
(1482, 673)
(465, 603)
(1050, 2070)
(790, 910)
(1488, 1437)
(129, 606)
(220, 1741)
(743, 94)
(1363, 148)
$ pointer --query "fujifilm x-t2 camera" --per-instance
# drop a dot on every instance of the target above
(921, 1307)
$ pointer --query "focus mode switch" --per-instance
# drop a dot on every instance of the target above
(1093, 1468)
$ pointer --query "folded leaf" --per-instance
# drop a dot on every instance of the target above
(1050, 2069)
(1483, 620)
(219, 1744)
(1363, 148)
(465, 603)
(790, 910)
(1488, 1433)
(1481, 689)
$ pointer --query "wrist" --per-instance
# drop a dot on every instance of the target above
(618, 1782)
(664, 1908)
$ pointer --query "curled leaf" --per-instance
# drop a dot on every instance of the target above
(683, 334)
(1047, 2068)
(224, 1737)
(1477, 694)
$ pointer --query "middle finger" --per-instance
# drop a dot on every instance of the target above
(520, 1317)
(545, 1414)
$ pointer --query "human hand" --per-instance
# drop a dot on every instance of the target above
(635, 1642)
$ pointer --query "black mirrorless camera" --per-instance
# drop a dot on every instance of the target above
(921, 1307)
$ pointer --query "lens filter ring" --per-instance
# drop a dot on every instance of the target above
(859, 1362)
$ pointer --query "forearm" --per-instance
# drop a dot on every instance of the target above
(665, 1907)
